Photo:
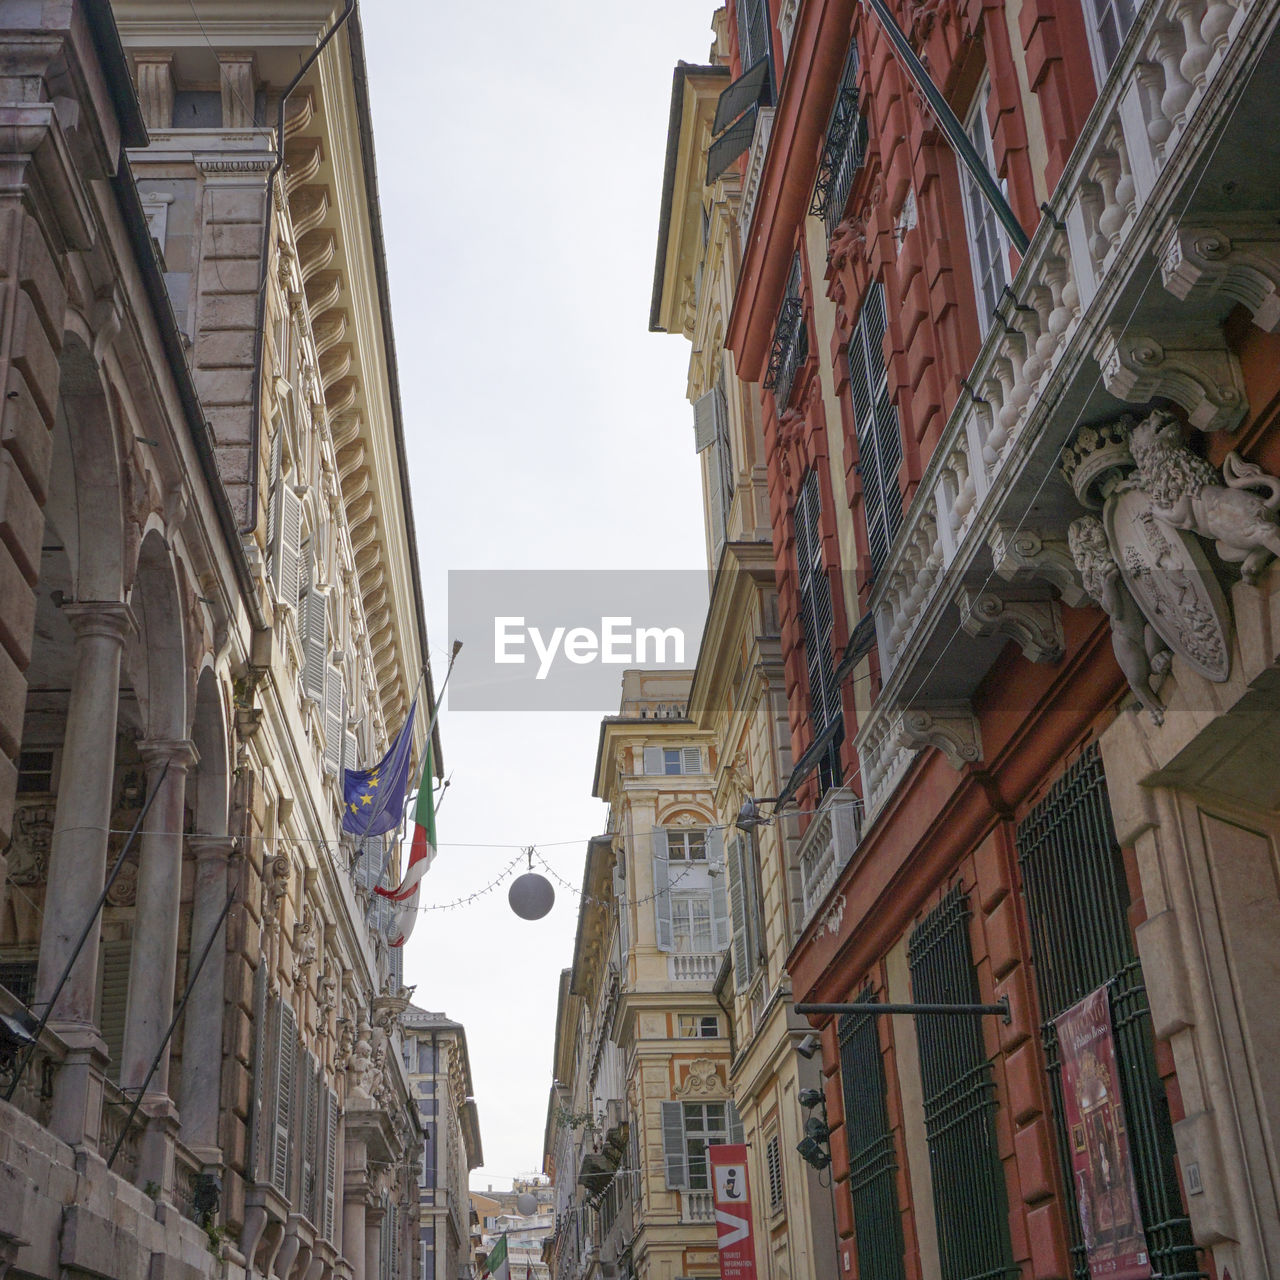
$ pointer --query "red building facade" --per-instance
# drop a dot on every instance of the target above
(1040, 738)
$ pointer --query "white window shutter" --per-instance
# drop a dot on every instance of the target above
(349, 749)
(333, 703)
(673, 1150)
(734, 1123)
(273, 491)
(691, 760)
(315, 643)
(285, 547)
(720, 932)
(661, 890)
(653, 760)
(716, 503)
(704, 421)
(738, 905)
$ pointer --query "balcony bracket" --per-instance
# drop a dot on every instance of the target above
(1033, 620)
(1023, 556)
(951, 727)
(1238, 257)
(1192, 367)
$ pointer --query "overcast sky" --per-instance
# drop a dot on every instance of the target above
(520, 155)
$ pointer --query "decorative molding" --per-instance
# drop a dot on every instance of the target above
(951, 727)
(1233, 256)
(830, 922)
(154, 77)
(1034, 621)
(755, 170)
(1023, 556)
(702, 1080)
(787, 24)
(1192, 367)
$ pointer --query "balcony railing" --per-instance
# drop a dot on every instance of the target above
(790, 342)
(696, 967)
(843, 151)
(697, 1206)
(1117, 205)
(116, 1106)
(827, 846)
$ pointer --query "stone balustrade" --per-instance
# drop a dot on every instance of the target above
(827, 846)
(1085, 312)
(697, 1206)
(695, 967)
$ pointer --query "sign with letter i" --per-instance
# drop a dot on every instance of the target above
(733, 1211)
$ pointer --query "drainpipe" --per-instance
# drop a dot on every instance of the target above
(255, 430)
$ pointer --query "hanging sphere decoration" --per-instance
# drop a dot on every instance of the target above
(531, 895)
(526, 1204)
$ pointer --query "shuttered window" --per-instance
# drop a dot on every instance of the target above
(284, 526)
(1078, 911)
(672, 761)
(752, 17)
(313, 623)
(988, 241)
(688, 1129)
(327, 1224)
(693, 919)
(113, 996)
(282, 1087)
(876, 427)
(970, 1203)
(817, 621)
(872, 1165)
(335, 702)
(711, 435)
(773, 1165)
(744, 904)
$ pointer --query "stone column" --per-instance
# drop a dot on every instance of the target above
(373, 1217)
(355, 1193)
(78, 860)
(202, 1027)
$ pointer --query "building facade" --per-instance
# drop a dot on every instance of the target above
(738, 692)
(1018, 440)
(211, 607)
(439, 1072)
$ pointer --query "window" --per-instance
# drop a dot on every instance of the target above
(744, 906)
(843, 151)
(711, 435)
(752, 22)
(686, 845)
(988, 244)
(688, 1129)
(694, 1026)
(773, 1164)
(817, 621)
(1108, 22)
(672, 760)
(790, 340)
(35, 772)
(691, 923)
(876, 427)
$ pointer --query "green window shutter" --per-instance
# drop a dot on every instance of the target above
(286, 1087)
(653, 761)
(720, 931)
(738, 905)
(673, 1151)
(330, 1163)
(754, 909)
(661, 890)
(113, 996)
(733, 1123)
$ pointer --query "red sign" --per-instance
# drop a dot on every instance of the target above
(1098, 1139)
(733, 1211)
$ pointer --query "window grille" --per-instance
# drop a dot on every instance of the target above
(988, 243)
(817, 619)
(1077, 908)
(877, 1217)
(844, 149)
(876, 427)
(790, 340)
(970, 1202)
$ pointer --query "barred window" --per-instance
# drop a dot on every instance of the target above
(790, 340)
(876, 427)
(844, 149)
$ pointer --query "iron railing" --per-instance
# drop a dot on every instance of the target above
(844, 149)
(790, 341)
(877, 1217)
(970, 1200)
(1077, 907)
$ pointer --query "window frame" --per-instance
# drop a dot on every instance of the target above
(1102, 61)
(981, 226)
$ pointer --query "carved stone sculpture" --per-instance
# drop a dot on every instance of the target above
(305, 943)
(1140, 652)
(1189, 493)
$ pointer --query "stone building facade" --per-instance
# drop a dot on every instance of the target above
(439, 1071)
(1019, 472)
(211, 607)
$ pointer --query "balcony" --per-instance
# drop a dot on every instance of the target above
(1161, 174)
(695, 967)
(697, 1206)
(827, 847)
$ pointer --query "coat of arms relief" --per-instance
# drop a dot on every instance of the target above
(1138, 557)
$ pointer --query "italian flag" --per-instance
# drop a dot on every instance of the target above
(422, 852)
(496, 1266)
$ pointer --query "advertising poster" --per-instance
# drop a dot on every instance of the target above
(1098, 1140)
(733, 1211)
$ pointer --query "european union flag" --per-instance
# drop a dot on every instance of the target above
(373, 799)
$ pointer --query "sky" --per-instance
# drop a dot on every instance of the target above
(520, 165)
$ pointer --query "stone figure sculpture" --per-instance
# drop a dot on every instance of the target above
(1140, 652)
(1189, 493)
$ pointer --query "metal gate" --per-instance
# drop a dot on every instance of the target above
(1077, 907)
